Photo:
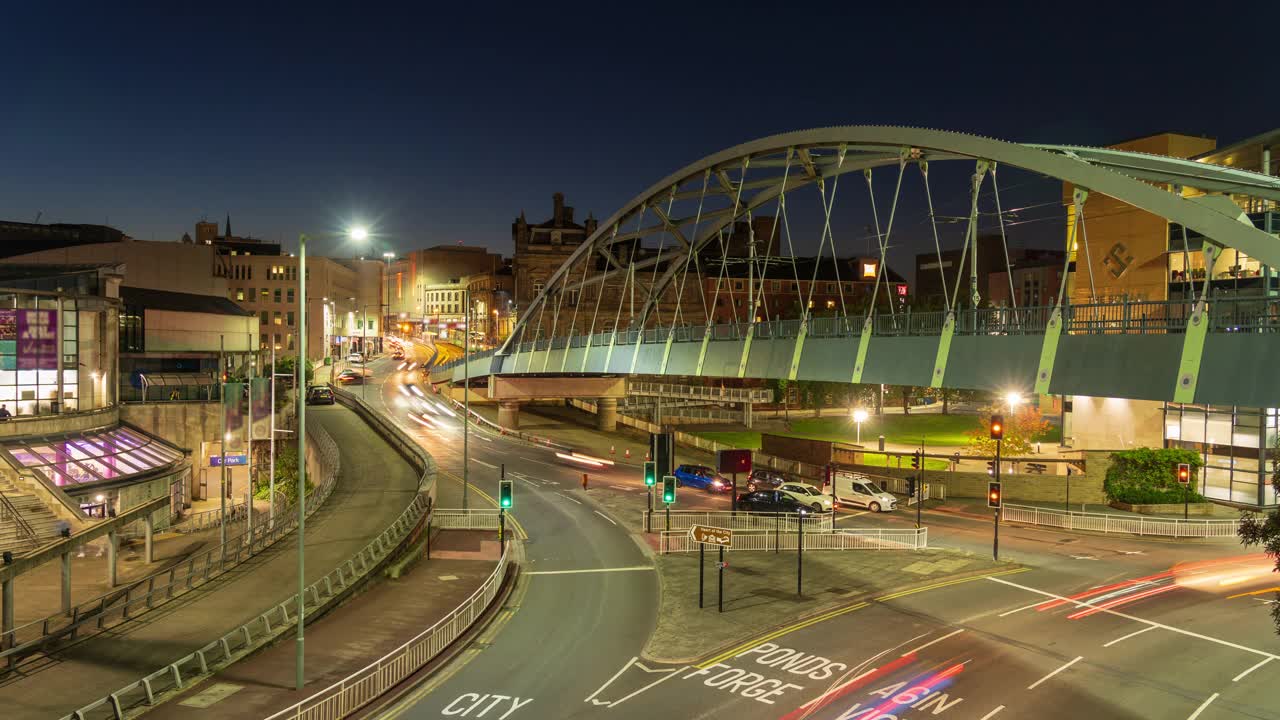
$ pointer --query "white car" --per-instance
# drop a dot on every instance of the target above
(355, 359)
(808, 495)
(860, 492)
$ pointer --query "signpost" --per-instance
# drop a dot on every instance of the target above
(733, 462)
(706, 535)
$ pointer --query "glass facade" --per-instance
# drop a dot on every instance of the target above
(1236, 445)
(29, 354)
(90, 457)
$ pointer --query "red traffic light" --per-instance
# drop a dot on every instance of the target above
(1184, 473)
(997, 427)
(993, 495)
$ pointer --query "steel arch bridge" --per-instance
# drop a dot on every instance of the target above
(618, 306)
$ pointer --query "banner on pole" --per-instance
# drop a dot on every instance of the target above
(260, 400)
(233, 413)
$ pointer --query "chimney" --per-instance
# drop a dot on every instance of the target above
(558, 217)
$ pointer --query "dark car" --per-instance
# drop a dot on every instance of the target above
(701, 476)
(319, 395)
(350, 377)
(765, 479)
(771, 501)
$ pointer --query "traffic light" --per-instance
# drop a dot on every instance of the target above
(997, 427)
(505, 499)
(669, 489)
(650, 473)
(911, 487)
(991, 468)
(993, 495)
(915, 460)
(1184, 473)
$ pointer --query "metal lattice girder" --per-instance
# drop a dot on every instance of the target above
(1125, 176)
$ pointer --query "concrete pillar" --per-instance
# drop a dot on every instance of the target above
(66, 582)
(148, 556)
(607, 414)
(746, 414)
(509, 414)
(113, 542)
(6, 616)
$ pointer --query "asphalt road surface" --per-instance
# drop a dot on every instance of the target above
(1097, 628)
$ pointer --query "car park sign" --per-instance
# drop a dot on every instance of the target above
(708, 535)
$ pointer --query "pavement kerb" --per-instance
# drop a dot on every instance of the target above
(830, 609)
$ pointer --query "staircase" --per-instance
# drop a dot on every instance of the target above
(33, 525)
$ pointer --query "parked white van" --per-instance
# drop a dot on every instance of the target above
(857, 490)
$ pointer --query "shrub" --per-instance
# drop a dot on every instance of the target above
(1148, 476)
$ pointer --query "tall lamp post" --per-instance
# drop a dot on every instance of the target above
(859, 417)
(300, 385)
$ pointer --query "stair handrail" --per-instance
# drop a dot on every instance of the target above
(22, 524)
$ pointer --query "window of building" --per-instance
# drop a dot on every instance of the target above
(253, 294)
(777, 286)
(264, 319)
(132, 329)
(263, 342)
(831, 304)
(810, 305)
(29, 384)
(277, 340)
(737, 284)
(289, 319)
(290, 345)
(276, 318)
(290, 295)
(266, 294)
(848, 287)
(571, 297)
(537, 287)
(277, 295)
(831, 287)
(239, 294)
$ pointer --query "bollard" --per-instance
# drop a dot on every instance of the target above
(584, 481)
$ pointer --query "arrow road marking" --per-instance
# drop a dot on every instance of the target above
(669, 674)
(591, 697)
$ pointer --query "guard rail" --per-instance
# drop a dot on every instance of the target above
(1124, 524)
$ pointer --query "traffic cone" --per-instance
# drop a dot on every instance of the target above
(611, 450)
(627, 453)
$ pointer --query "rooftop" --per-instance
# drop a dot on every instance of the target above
(181, 302)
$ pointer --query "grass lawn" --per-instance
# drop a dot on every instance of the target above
(938, 430)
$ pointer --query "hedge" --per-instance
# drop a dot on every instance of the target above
(1149, 476)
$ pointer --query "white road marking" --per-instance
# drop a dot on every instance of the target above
(1018, 610)
(538, 461)
(1261, 662)
(1033, 685)
(606, 517)
(610, 680)
(566, 497)
(1203, 705)
(1083, 557)
(1162, 626)
(488, 465)
(992, 714)
(669, 674)
(632, 568)
(1126, 637)
(932, 642)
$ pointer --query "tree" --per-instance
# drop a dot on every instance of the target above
(1264, 530)
(780, 388)
(1025, 427)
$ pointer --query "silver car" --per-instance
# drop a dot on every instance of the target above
(808, 495)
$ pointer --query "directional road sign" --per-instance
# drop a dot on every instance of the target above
(709, 535)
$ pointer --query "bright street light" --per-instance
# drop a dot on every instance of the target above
(859, 416)
(1013, 399)
(359, 233)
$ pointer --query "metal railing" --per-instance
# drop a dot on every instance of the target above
(656, 521)
(454, 519)
(10, 514)
(701, 392)
(842, 539)
(126, 603)
(372, 681)
(1124, 524)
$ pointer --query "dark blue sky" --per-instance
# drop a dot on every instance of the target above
(438, 124)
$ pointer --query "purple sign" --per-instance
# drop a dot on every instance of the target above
(37, 340)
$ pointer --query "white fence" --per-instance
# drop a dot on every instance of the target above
(843, 539)
(742, 520)
(362, 687)
(1126, 524)
(701, 392)
(478, 519)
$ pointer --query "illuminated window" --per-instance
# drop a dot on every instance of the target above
(276, 318)
(831, 304)
(868, 270)
(239, 294)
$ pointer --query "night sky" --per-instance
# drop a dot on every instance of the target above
(438, 125)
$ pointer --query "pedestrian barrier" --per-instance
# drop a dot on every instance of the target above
(656, 521)
(278, 619)
(1124, 524)
(365, 685)
(842, 539)
(478, 519)
(127, 602)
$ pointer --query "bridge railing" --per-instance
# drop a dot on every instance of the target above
(1123, 524)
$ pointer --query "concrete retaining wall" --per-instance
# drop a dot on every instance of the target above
(185, 424)
(1017, 487)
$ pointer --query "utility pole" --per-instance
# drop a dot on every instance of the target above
(271, 487)
(222, 448)
(466, 392)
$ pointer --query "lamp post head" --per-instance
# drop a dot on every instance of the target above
(859, 415)
(359, 234)
(388, 255)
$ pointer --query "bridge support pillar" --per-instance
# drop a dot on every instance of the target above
(607, 414)
(113, 544)
(6, 615)
(509, 414)
(746, 413)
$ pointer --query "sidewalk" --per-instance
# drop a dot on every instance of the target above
(374, 487)
(348, 639)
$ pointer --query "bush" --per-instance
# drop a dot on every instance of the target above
(1148, 476)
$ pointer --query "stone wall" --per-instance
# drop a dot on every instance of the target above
(185, 424)
(1018, 487)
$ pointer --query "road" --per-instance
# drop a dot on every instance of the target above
(1098, 627)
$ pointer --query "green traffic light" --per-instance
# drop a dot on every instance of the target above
(668, 489)
(504, 494)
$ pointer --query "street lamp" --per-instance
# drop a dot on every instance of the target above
(1013, 398)
(859, 417)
